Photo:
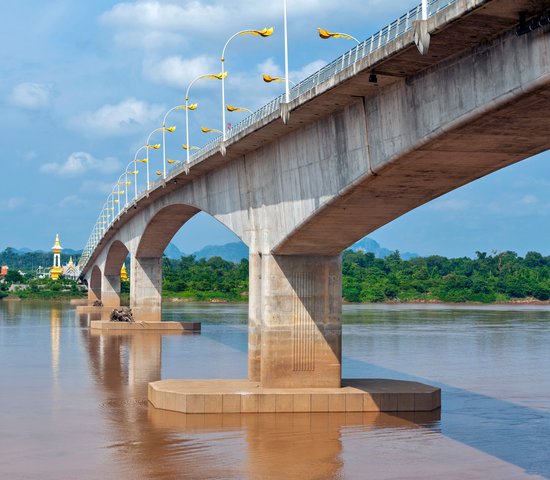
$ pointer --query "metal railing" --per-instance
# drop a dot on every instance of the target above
(351, 57)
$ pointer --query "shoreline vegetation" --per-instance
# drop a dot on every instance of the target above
(499, 278)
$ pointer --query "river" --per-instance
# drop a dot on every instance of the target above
(73, 402)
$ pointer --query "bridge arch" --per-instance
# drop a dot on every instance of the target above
(146, 273)
(161, 229)
(116, 255)
(94, 287)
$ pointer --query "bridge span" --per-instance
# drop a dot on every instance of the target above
(388, 130)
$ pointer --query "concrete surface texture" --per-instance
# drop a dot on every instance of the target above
(242, 396)
(351, 156)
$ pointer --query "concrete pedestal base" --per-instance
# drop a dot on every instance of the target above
(243, 396)
(158, 326)
(90, 309)
(79, 301)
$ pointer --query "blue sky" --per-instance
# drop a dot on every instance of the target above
(83, 83)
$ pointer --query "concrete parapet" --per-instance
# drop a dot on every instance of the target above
(244, 396)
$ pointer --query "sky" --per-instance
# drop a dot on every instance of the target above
(83, 83)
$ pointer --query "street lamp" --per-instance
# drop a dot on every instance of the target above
(148, 146)
(187, 146)
(136, 160)
(265, 32)
(287, 88)
(325, 34)
(127, 182)
(164, 130)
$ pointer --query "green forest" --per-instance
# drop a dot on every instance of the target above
(487, 278)
(497, 277)
(30, 261)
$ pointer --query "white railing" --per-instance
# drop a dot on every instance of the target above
(356, 54)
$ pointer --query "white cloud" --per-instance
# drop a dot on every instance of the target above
(72, 201)
(93, 186)
(178, 72)
(153, 15)
(31, 96)
(79, 163)
(11, 204)
(29, 155)
(529, 199)
(124, 118)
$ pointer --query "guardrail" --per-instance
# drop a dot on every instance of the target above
(364, 49)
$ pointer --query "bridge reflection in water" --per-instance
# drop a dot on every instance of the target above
(157, 443)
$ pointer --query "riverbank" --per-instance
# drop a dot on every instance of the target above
(176, 300)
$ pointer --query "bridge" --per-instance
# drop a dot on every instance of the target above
(376, 133)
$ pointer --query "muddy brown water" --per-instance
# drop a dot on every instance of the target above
(73, 403)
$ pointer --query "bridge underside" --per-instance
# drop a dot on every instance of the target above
(497, 138)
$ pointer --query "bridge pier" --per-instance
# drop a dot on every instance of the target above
(254, 316)
(146, 289)
(301, 331)
(94, 286)
(110, 291)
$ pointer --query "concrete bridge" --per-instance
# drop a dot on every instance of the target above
(388, 130)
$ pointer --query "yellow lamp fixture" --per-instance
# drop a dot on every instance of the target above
(264, 32)
(231, 108)
(209, 130)
(325, 34)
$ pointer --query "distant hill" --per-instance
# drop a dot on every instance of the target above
(235, 251)
(232, 252)
(368, 245)
(28, 259)
(173, 252)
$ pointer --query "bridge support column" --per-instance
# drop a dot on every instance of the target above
(255, 317)
(94, 286)
(146, 289)
(110, 291)
(301, 334)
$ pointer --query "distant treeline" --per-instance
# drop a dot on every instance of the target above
(203, 279)
(30, 261)
(487, 278)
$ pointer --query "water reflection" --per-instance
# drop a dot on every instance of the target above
(92, 418)
(55, 332)
(144, 440)
(288, 445)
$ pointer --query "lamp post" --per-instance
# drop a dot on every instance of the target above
(164, 130)
(143, 160)
(287, 87)
(194, 106)
(127, 182)
(266, 32)
(148, 146)
(424, 9)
